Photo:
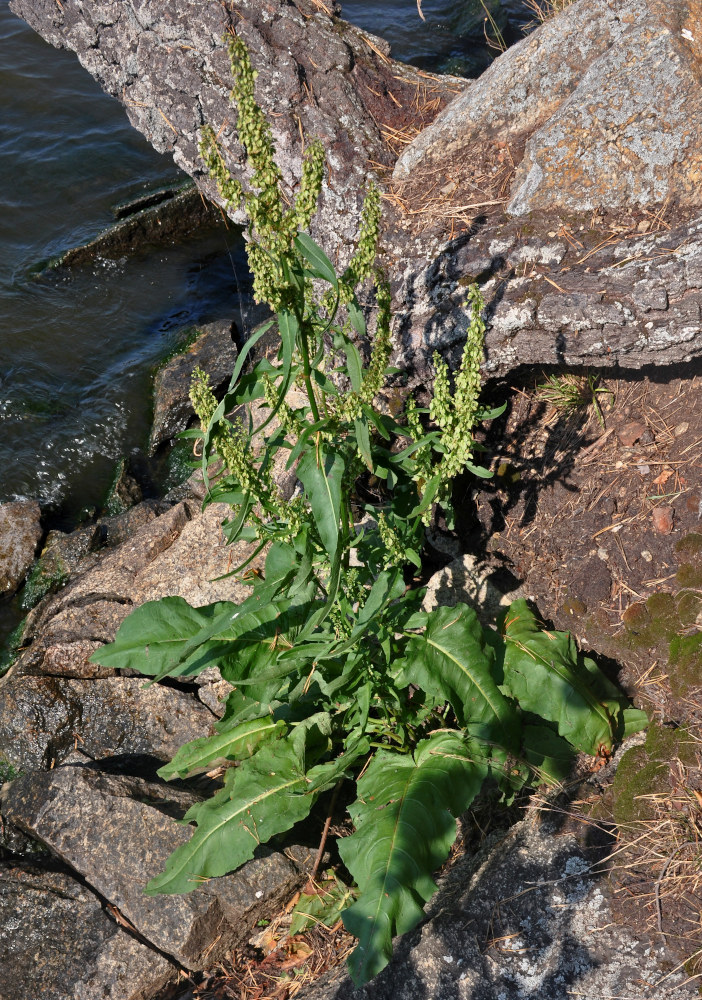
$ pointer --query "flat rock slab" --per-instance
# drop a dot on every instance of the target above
(214, 352)
(20, 532)
(57, 942)
(532, 922)
(44, 719)
(114, 832)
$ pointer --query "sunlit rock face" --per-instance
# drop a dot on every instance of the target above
(600, 108)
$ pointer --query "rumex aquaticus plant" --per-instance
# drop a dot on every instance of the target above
(339, 675)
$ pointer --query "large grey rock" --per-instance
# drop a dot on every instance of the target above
(169, 66)
(606, 97)
(57, 942)
(215, 352)
(20, 531)
(182, 552)
(117, 833)
(528, 919)
(44, 719)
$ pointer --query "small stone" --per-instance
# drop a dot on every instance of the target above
(646, 556)
(681, 429)
(20, 531)
(630, 433)
(643, 469)
(603, 554)
(662, 518)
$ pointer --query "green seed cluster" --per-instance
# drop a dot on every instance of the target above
(423, 471)
(455, 413)
(202, 397)
(394, 550)
(361, 265)
(375, 373)
(310, 184)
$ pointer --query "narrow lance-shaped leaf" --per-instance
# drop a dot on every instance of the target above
(320, 264)
(320, 471)
(405, 826)
(232, 744)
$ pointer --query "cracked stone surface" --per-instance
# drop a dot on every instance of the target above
(73, 809)
(58, 942)
(526, 919)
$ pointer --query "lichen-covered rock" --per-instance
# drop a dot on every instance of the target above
(214, 351)
(57, 942)
(604, 101)
(20, 531)
(73, 810)
(524, 919)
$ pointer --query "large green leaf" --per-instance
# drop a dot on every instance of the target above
(232, 744)
(405, 826)
(265, 795)
(452, 662)
(154, 636)
(545, 673)
(320, 471)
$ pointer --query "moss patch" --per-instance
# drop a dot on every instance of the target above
(643, 774)
(47, 576)
(685, 663)
(8, 654)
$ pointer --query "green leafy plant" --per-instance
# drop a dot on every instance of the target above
(339, 675)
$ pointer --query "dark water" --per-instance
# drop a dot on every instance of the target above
(455, 36)
(76, 353)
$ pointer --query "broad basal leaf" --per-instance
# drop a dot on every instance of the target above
(405, 826)
(265, 795)
(451, 661)
(153, 637)
(544, 672)
(232, 744)
(548, 754)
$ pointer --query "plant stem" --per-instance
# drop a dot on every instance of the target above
(325, 834)
(307, 369)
